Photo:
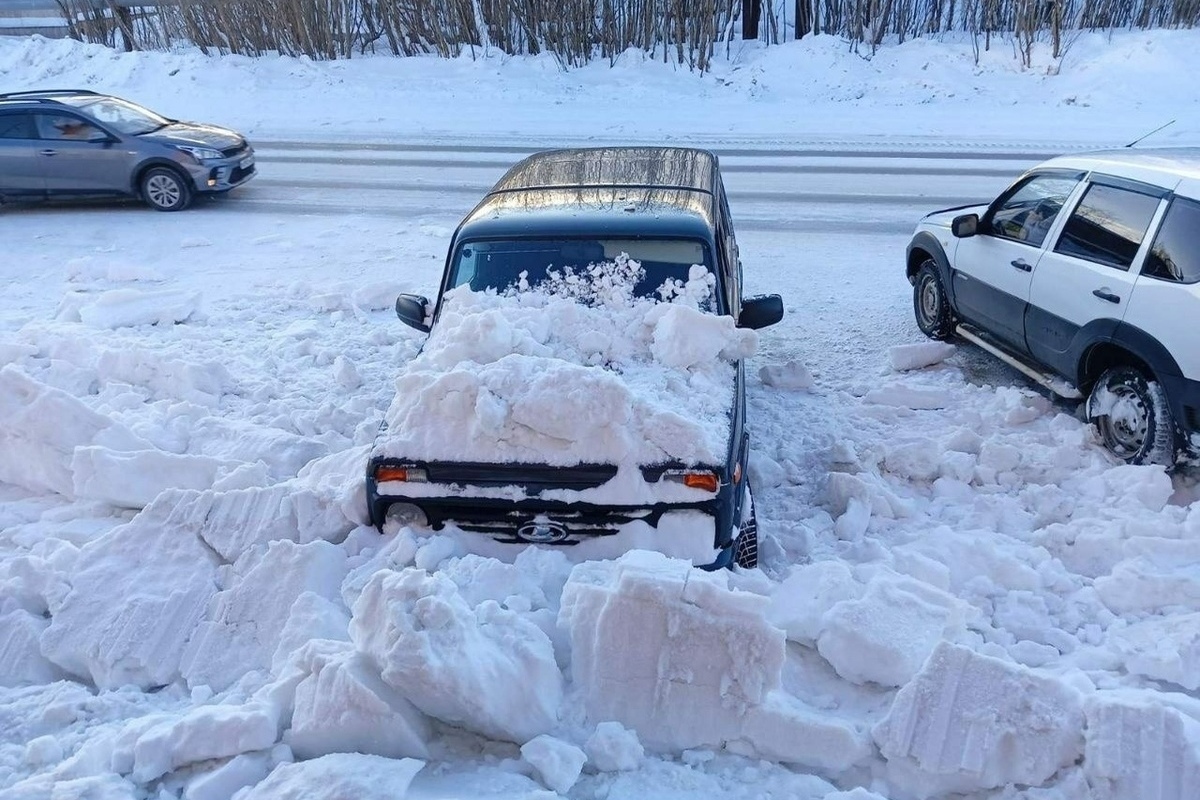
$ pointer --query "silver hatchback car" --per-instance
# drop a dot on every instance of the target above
(77, 143)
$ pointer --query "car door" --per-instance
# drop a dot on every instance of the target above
(77, 156)
(1081, 288)
(20, 168)
(993, 269)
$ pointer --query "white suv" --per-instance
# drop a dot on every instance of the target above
(1084, 275)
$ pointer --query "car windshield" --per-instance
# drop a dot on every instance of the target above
(504, 264)
(121, 115)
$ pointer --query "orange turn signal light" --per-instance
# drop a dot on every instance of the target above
(702, 480)
(385, 472)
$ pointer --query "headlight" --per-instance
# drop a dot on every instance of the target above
(201, 153)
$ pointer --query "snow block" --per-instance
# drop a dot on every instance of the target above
(1165, 649)
(483, 668)
(133, 479)
(918, 356)
(205, 733)
(311, 617)
(885, 636)
(337, 777)
(558, 763)
(614, 748)
(243, 630)
(284, 453)
(1156, 574)
(139, 592)
(21, 662)
(224, 782)
(344, 707)
(41, 426)
(126, 308)
(968, 722)
(799, 604)
(675, 654)
(1139, 748)
(792, 375)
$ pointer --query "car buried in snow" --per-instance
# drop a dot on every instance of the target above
(1084, 276)
(582, 383)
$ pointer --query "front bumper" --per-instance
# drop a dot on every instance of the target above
(224, 174)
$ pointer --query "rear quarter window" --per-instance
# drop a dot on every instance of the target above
(1175, 254)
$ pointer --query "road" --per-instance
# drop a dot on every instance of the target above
(796, 190)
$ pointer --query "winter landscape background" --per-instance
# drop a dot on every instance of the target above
(961, 594)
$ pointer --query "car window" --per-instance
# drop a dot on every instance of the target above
(17, 126)
(1027, 213)
(1108, 225)
(1175, 254)
(64, 127)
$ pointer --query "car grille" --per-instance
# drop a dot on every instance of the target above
(531, 477)
(1191, 418)
(231, 152)
(238, 175)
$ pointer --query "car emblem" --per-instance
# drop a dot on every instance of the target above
(541, 532)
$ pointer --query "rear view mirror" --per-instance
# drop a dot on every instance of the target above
(965, 226)
(760, 311)
(412, 309)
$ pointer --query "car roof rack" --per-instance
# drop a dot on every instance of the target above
(45, 93)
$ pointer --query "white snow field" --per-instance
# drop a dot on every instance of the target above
(961, 595)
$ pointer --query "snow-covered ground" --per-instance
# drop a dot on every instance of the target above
(961, 594)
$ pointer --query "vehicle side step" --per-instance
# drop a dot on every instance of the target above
(1052, 382)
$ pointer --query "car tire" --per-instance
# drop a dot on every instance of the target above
(164, 189)
(745, 543)
(1132, 417)
(930, 306)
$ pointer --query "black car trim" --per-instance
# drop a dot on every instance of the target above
(1128, 184)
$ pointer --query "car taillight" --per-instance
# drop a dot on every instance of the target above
(696, 479)
(387, 472)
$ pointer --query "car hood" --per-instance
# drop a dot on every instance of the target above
(944, 217)
(191, 133)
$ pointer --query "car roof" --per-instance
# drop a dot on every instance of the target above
(609, 191)
(1165, 166)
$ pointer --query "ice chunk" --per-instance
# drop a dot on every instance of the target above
(918, 356)
(792, 375)
(1156, 574)
(337, 777)
(41, 426)
(886, 635)
(1166, 649)
(684, 337)
(312, 616)
(164, 577)
(558, 763)
(223, 782)
(21, 662)
(344, 707)
(284, 453)
(1139, 748)
(205, 733)
(484, 668)
(123, 308)
(614, 748)
(133, 479)
(799, 604)
(912, 397)
(784, 729)
(243, 630)
(968, 722)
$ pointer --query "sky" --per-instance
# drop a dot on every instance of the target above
(961, 594)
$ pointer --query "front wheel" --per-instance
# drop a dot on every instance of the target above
(1132, 417)
(932, 309)
(164, 189)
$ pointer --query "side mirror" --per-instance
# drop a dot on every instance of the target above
(760, 311)
(412, 310)
(965, 226)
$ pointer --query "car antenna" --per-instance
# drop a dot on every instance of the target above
(1151, 133)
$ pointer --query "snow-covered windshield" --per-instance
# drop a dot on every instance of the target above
(121, 115)
(502, 264)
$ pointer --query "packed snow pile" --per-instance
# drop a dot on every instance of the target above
(514, 376)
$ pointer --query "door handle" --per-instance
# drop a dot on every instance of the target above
(48, 152)
(1022, 265)
(1105, 294)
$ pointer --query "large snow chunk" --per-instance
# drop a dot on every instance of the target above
(969, 721)
(124, 308)
(243, 630)
(800, 603)
(138, 594)
(614, 748)
(886, 635)
(678, 656)
(343, 706)
(1166, 649)
(509, 377)
(133, 479)
(338, 777)
(312, 616)
(41, 426)
(21, 662)
(224, 782)
(904, 357)
(1156, 573)
(205, 733)
(484, 668)
(1139, 748)
(558, 763)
